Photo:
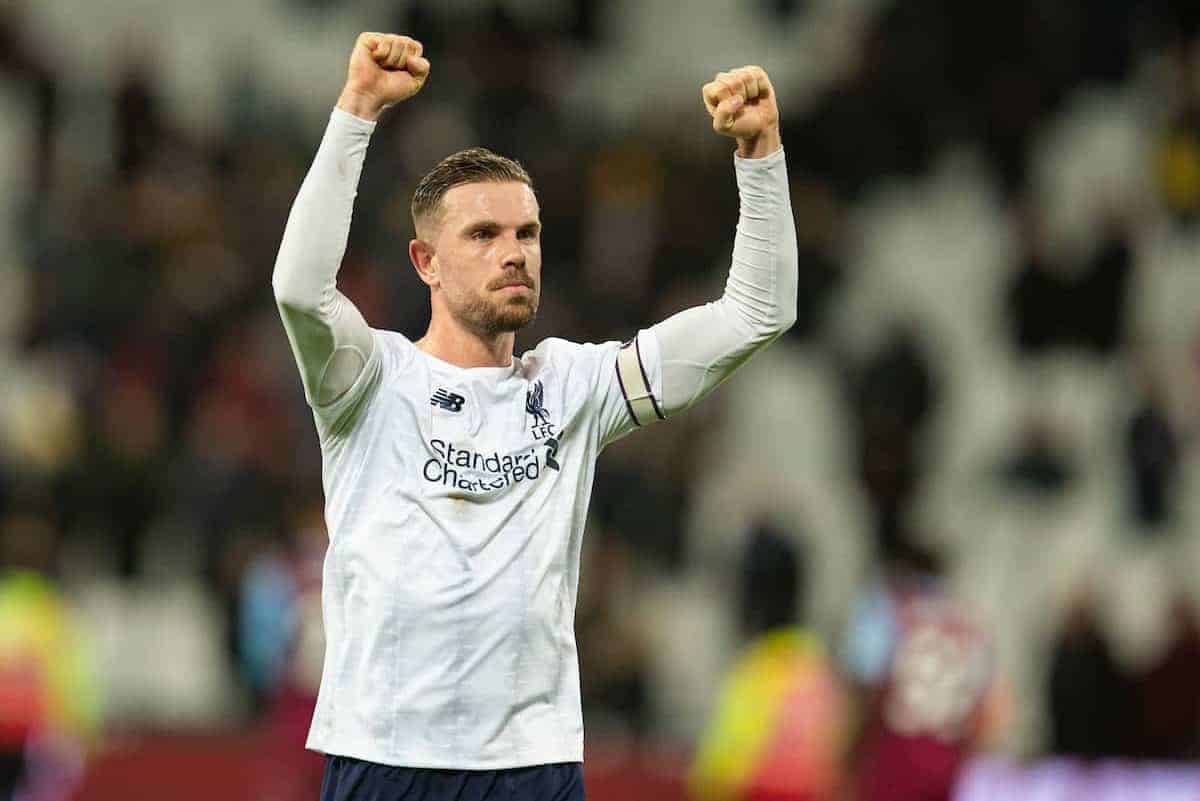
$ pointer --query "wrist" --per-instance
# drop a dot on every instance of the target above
(764, 144)
(360, 105)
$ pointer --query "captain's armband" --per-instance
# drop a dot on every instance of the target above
(643, 407)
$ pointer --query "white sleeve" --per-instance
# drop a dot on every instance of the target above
(672, 365)
(333, 345)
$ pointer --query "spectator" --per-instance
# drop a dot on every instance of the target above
(894, 392)
(925, 678)
(282, 646)
(613, 658)
(48, 701)
(778, 729)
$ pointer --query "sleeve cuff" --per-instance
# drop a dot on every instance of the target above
(344, 119)
(744, 164)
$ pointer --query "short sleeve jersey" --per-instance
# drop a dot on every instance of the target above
(456, 500)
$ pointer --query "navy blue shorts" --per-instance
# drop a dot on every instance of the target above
(348, 779)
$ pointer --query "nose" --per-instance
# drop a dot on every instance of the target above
(514, 255)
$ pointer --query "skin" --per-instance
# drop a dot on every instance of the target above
(486, 237)
(482, 262)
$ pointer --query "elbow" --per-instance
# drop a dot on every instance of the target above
(282, 289)
(787, 319)
(280, 283)
(787, 299)
(762, 326)
(764, 332)
(288, 294)
(775, 325)
(769, 332)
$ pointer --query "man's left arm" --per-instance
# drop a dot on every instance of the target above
(675, 363)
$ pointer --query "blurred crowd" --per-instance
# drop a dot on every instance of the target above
(154, 433)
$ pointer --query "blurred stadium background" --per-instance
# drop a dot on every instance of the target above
(995, 377)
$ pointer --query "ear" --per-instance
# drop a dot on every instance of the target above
(423, 258)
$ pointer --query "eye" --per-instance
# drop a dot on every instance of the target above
(529, 233)
(481, 234)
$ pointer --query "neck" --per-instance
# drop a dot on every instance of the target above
(451, 342)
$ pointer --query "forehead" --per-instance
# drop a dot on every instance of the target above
(507, 202)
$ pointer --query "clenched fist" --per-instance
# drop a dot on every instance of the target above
(384, 69)
(742, 105)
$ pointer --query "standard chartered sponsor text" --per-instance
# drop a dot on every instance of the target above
(473, 471)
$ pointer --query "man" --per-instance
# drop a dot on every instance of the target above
(49, 707)
(926, 678)
(456, 476)
(778, 729)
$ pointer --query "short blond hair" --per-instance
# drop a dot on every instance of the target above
(473, 165)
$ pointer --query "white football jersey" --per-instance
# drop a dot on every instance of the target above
(456, 500)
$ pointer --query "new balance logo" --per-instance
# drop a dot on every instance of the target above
(450, 401)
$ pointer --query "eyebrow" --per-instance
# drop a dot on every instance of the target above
(492, 225)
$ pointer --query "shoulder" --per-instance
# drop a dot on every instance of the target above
(563, 355)
(397, 352)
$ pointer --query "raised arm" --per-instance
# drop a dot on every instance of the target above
(332, 343)
(692, 352)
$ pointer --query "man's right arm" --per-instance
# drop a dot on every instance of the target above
(330, 339)
(332, 343)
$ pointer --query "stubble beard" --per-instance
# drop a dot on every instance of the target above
(488, 317)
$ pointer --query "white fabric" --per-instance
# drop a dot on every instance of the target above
(456, 498)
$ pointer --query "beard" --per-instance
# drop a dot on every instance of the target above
(488, 314)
